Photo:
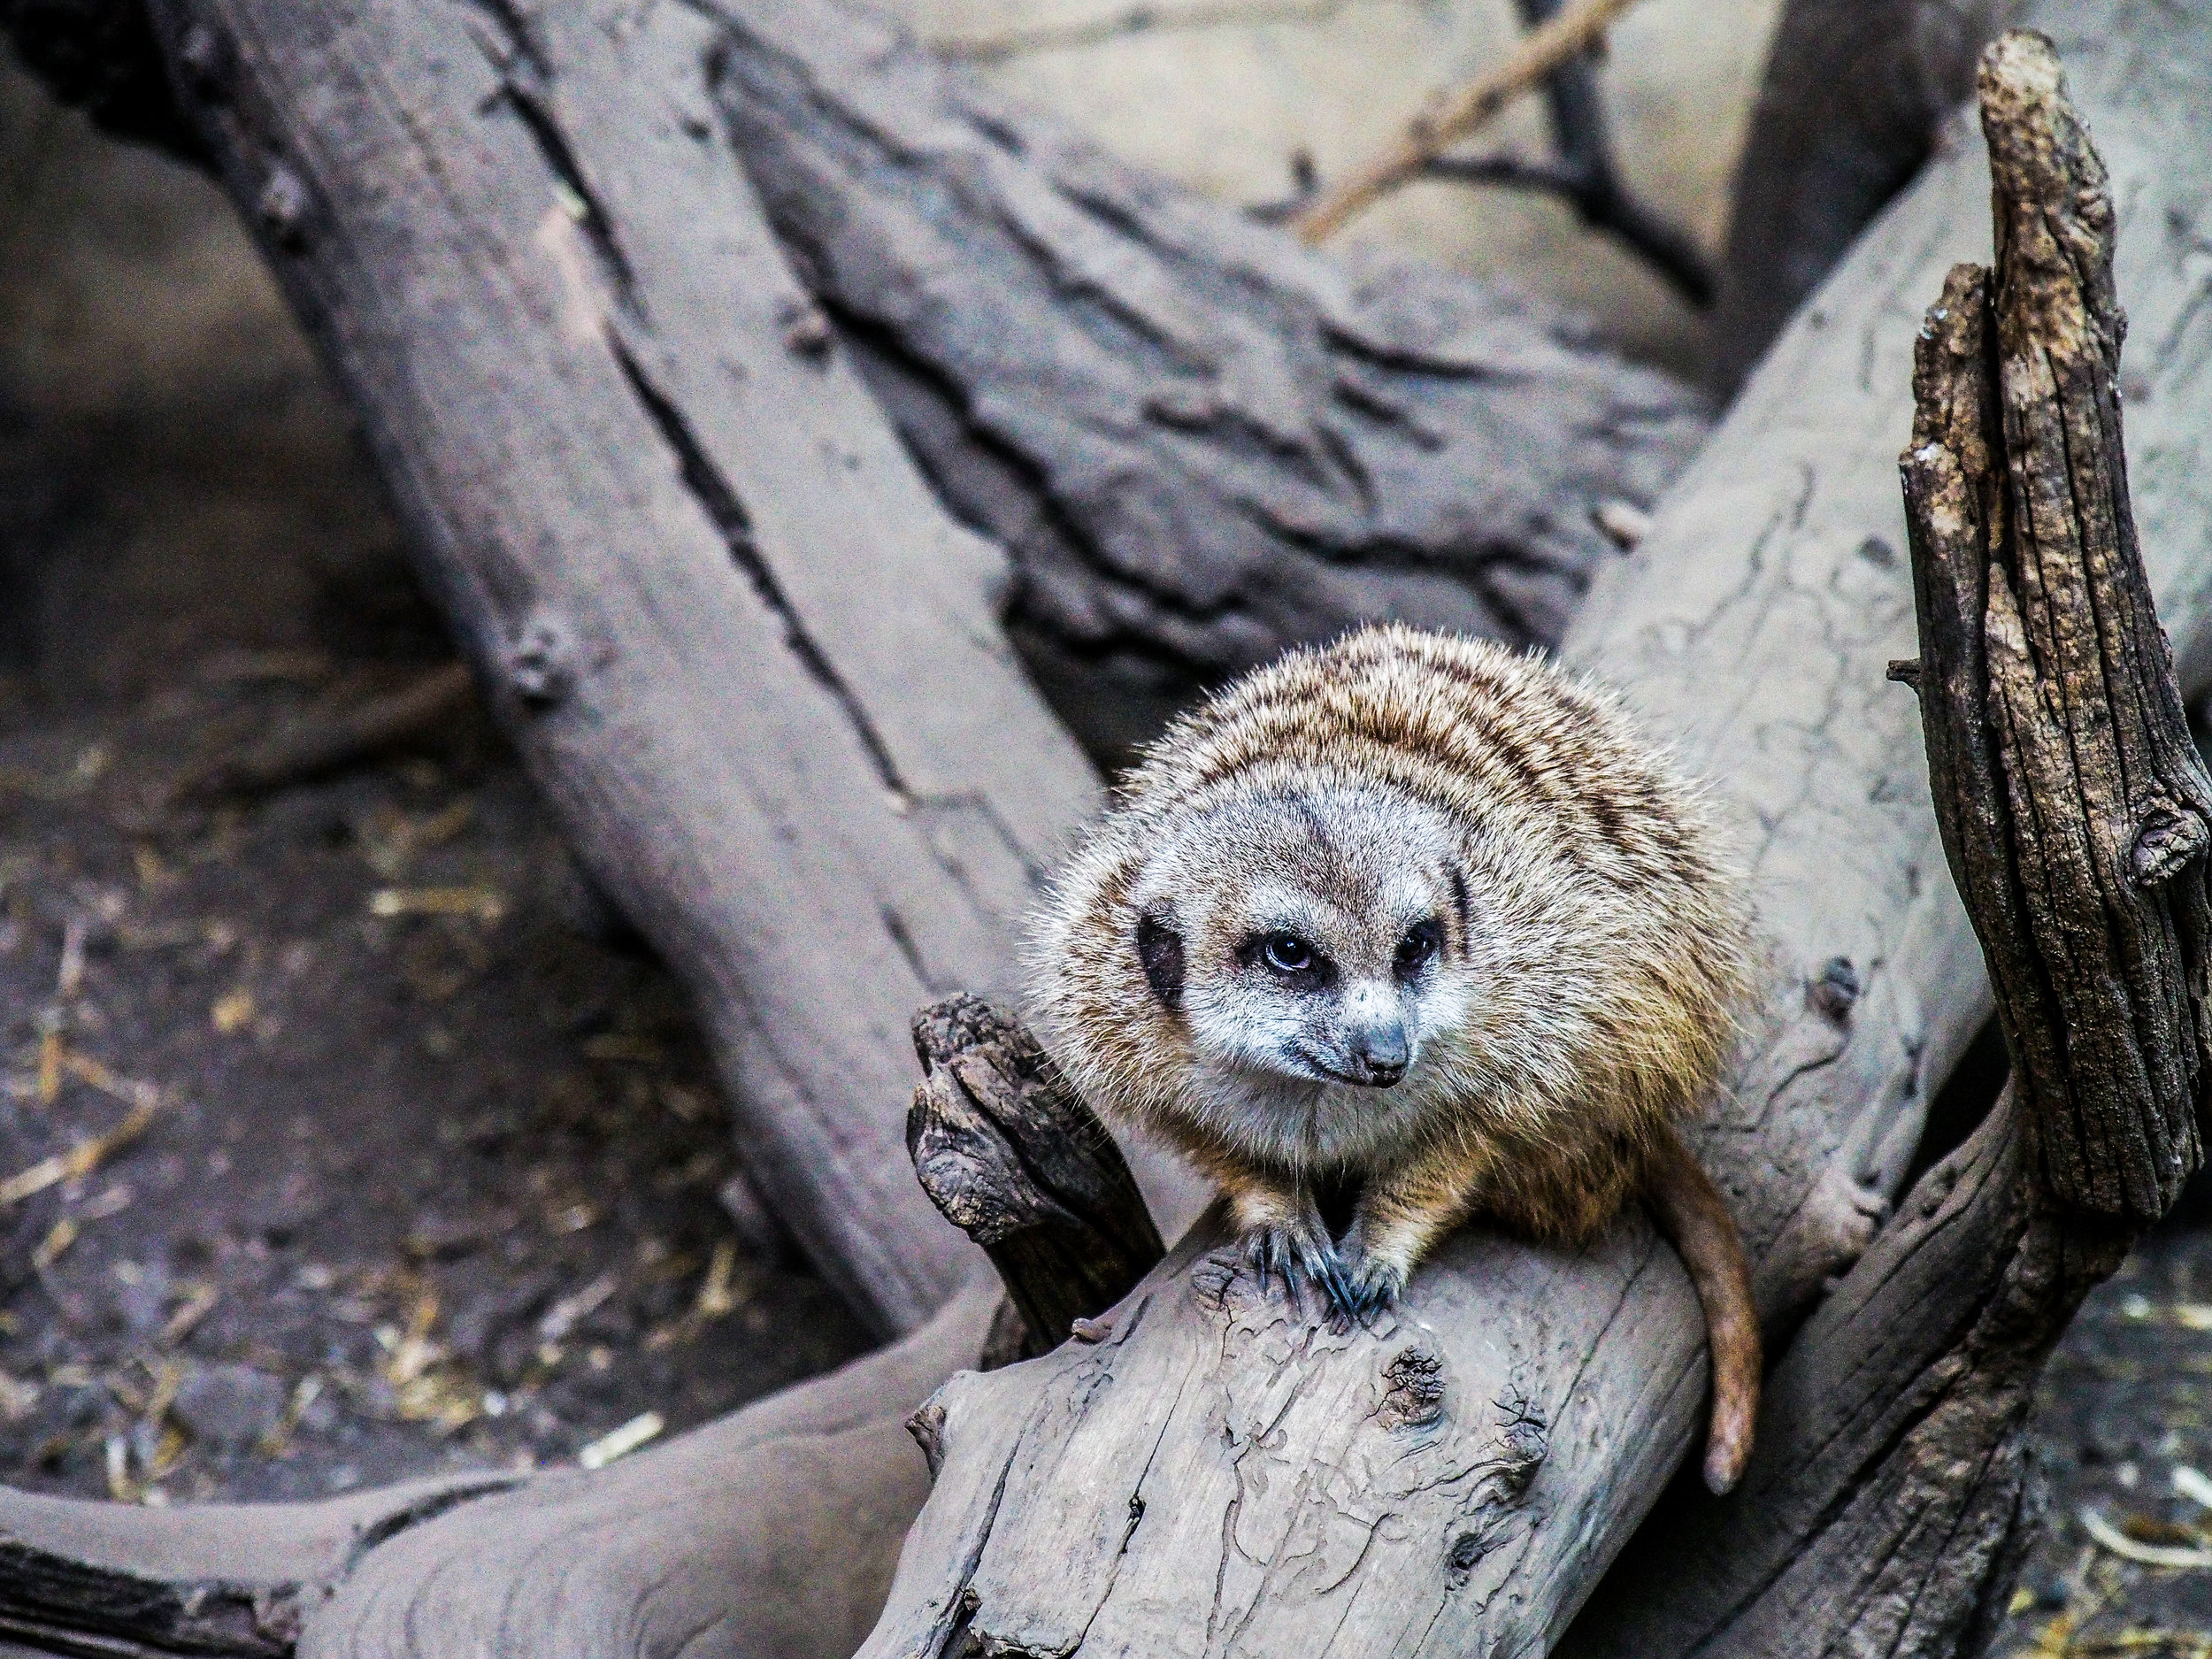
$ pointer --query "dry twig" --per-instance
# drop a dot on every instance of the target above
(326, 741)
(1457, 113)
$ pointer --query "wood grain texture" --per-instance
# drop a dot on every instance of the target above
(662, 525)
(1853, 102)
(1754, 627)
(1888, 1505)
(1011, 1157)
(771, 1531)
(1199, 443)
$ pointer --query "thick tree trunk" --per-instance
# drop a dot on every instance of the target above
(662, 517)
(1888, 1506)
(1755, 622)
(1852, 104)
(1218, 1464)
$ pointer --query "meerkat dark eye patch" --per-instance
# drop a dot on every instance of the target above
(1419, 948)
(1160, 948)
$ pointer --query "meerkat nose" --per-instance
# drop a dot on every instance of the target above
(1382, 1051)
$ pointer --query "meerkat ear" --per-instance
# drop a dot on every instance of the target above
(1160, 948)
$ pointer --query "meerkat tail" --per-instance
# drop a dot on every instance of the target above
(1689, 1210)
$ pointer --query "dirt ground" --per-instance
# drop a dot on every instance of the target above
(342, 1136)
(403, 1168)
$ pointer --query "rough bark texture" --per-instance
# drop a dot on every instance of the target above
(1012, 1158)
(1888, 1505)
(1199, 442)
(1852, 104)
(1753, 623)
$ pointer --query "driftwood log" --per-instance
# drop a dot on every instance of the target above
(1326, 446)
(1199, 442)
(1776, 556)
(1887, 1504)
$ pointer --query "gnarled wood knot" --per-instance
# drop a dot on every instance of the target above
(1413, 1391)
(927, 1427)
(541, 660)
(1836, 989)
(2167, 841)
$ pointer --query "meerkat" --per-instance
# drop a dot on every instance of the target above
(1420, 919)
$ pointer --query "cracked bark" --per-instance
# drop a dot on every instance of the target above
(656, 521)
(1888, 1506)
(1755, 625)
(1199, 443)
(1012, 1158)
(1093, 366)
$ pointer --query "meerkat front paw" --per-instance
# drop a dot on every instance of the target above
(1371, 1286)
(1298, 1252)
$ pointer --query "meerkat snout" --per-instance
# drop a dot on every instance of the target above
(1377, 1047)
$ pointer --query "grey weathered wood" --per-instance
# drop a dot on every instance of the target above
(771, 1531)
(1851, 105)
(664, 524)
(1011, 1157)
(1223, 1471)
(222, 1578)
(1755, 625)
(1754, 610)
(1887, 1507)
(1199, 442)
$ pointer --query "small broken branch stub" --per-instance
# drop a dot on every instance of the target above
(1012, 1157)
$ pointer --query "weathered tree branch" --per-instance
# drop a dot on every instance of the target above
(1012, 1158)
(774, 1531)
(1199, 444)
(655, 510)
(1755, 622)
(1587, 176)
(1457, 112)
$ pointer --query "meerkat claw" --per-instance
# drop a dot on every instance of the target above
(1368, 1289)
(1299, 1259)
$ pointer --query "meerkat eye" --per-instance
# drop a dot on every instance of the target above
(1296, 961)
(1419, 948)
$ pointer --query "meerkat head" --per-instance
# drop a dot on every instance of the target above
(1303, 936)
(1277, 968)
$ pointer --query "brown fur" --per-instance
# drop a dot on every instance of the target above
(1589, 950)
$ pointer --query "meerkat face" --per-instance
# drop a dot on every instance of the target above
(1311, 944)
